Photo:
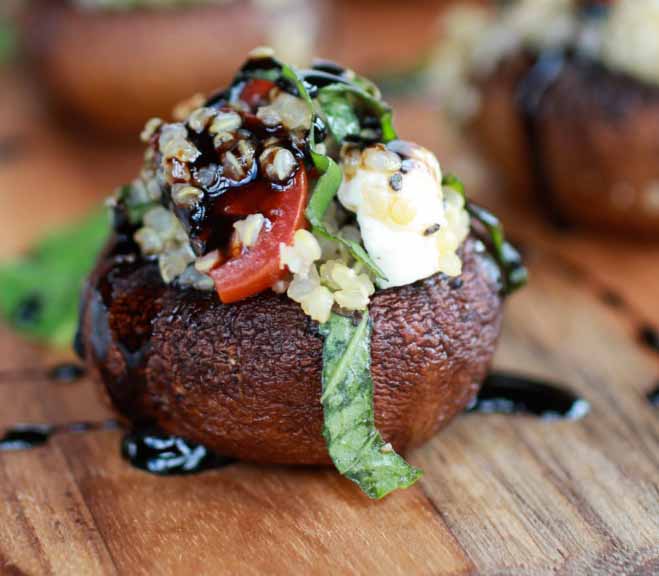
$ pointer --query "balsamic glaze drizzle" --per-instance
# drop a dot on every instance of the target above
(164, 455)
(506, 393)
(28, 436)
(653, 396)
(649, 335)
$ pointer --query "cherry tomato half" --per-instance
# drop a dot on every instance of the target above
(257, 268)
(256, 91)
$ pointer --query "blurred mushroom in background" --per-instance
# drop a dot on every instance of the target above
(563, 98)
(112, 64)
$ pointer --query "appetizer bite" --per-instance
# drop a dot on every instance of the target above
(564, 99)
(114, 63)
(289, 282)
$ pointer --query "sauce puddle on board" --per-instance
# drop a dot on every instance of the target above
(506, 393)
(158, 453)
(28, 436)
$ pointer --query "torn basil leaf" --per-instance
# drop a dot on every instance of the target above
(39, 293)
(354, 444)
(327, 185)
(340, 115)
(380, 108)
(508, 259)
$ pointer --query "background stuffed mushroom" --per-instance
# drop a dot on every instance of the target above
(566, 111)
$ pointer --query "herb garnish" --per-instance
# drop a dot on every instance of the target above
(39, 293)
(328, 184)
(354, 444)
(509, 260)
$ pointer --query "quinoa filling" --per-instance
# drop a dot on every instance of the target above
(201, 199)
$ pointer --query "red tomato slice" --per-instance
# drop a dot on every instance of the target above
(257, 268)
(255, 91)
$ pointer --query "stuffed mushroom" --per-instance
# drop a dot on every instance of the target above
(563, 96)
(289, 282)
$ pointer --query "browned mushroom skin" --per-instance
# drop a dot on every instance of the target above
(245, 379)
(597, 141)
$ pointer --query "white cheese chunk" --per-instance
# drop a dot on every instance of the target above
(408, 227)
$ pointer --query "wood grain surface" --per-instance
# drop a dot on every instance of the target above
(501, 495)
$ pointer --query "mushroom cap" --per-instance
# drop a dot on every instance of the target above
(245, 379)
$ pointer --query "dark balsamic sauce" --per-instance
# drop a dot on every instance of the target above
(505, 393)
(164, 455)
(653, 397)
(649, 335)
(28, 311)
(66, 372)
(28, 436)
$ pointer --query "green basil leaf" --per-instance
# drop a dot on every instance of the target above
(381, 109)
(455, 183)
(509, 260)
(327, 185)
(340, 115)
(354, 444)
(356, 250)
(39, 293)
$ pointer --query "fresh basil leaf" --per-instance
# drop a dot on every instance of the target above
(340, 115)
(368, 86)
(354, 444)
(356, 250)
(380, 108)
(327, 185)
(39, 293)
(388, 130)
(451, 181)
(509, 260)
(323, 194)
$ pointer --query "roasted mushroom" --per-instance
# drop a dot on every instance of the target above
(283, 266)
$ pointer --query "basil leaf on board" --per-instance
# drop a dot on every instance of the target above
(354, 444)
(506, 255)
(327, 185)
(39, 293)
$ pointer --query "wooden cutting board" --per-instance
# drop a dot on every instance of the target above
(500, 495)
